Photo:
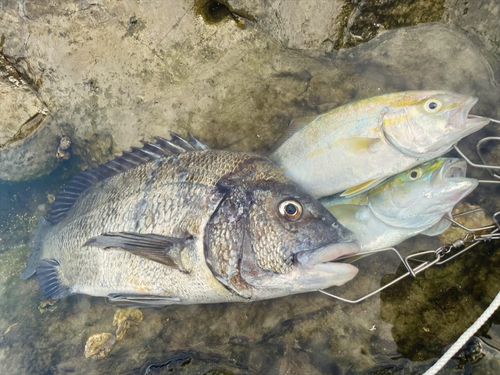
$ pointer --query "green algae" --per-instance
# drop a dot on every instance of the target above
(432, 310)
(362, 21)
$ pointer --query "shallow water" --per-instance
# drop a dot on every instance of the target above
(400, 331)
(397, 332)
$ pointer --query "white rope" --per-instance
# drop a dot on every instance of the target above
(465, 337)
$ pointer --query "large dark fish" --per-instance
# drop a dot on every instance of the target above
(175, 222)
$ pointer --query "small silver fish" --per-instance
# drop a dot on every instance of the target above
(405, 205)
(354, 147)
(175, 222)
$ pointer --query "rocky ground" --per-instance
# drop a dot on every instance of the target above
(110, 73)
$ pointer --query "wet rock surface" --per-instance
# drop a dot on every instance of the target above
(112, 73)
(478, 18)
(22, 112)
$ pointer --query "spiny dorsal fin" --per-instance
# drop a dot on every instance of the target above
(196, 143)
(69, 194)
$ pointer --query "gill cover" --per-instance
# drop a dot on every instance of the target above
(226, 239)
(409, 136)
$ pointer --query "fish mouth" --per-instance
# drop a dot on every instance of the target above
(453, 173)
(453, 168)
(459, 118)
(322, 258)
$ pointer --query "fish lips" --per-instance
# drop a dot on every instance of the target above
(459, 118)
(321, 259)
(453, 173)
(451, 184)
(452, 168)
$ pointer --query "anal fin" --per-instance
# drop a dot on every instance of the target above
(50, 280)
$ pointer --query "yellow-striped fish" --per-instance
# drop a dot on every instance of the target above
(405, 205)
(356, 146)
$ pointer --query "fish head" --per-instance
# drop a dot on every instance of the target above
(428, 123)
(295, 240)
(289, 240)
(422, 195)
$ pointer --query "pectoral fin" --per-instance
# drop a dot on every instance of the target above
(155, 247)
(141, 300)
(438, 228)
(358, 146)
(361, 188)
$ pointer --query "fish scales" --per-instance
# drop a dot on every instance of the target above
(405, 205)
(199, 226)
(356, 146)
(114, 198)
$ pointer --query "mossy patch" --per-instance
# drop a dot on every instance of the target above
(362, 21)
(431, 311)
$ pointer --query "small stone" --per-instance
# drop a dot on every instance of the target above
(99, 345)
(473, 220)
(47, 306)
(124, 319)
(51, 198)
(62, 154)
(65, 142)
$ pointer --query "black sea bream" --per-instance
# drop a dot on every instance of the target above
(175, 222)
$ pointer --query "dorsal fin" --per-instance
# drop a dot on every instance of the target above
(197, 144)
(295, 125)
(361, 188)
(69, 194)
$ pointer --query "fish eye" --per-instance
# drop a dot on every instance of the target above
(432, 105)
(414, 174)
(290, 209)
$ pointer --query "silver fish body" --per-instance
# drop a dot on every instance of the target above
(201, 226)
(356, 146)
(410, 203)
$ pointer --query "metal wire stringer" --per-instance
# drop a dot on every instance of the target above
(443, 254)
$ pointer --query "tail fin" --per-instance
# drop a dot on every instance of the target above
(42, 227)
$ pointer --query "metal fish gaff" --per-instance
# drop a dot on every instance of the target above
(175, 222)
(405, 205)
(356, 146)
